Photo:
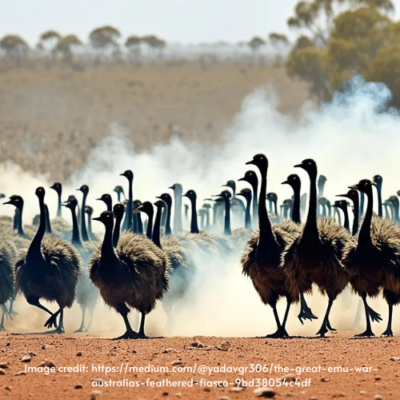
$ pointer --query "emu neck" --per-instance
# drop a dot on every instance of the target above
(356, 219)
(364, 238)
(107, 249)
(379, 190)
(109, 204)
(362, 201)
(254, 185)
(139, 224)
(168, 230)
(128, 214)
(194, 227)
(89, 225)
(275, 207)
(76, 237)
(247, 215)
(35, 249)
(59, 207)
(268, 248)
(85, 236)
(18, 216)
(227, 220)
(157, 226)
(310, 234)
(296, 216)
(149, 231)
(207, 218)
(178, 212)
(346, 218)
(117, 231)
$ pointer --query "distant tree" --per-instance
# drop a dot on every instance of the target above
(66, 46)
(256, 43)
(133, 43)
(48, 41)
(14, 47)
(281, 43)
(105, 38)
(154, 43)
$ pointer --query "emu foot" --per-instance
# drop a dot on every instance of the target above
(367, 333)
(57, 331)
(81, 329)
(2, 328)
(306, 314)
(323, 330)
(279, 334)
(375, 317)
(387, 333)
(51, 322)
(12, 314)
(127, 335)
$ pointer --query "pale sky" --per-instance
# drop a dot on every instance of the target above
(188, 21)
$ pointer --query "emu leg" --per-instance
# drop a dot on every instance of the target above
(89, 327)
(305, 311)
(3, 317)
(82, 327)
(130, 333)
(11, 312)
(281, 332)
(277, 334)
(52, 321)
(36, 303)
(368, 331)
(389, 332)
(141, 334)
(375, 317)
(324, 327)
(330, 326)
(60, 328)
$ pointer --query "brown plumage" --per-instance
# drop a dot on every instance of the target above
(8, 254)
(315, 256)
(373, 261)
(261, 257)
(50, 270)
(136, 273)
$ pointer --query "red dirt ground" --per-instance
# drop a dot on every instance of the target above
(70, 351)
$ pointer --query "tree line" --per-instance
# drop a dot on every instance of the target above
(339, 39)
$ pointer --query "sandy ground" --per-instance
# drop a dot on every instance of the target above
(377, 355)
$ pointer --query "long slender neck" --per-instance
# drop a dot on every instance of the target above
(168, 230)
(227, 220)
(15, 219)
(116, 232)
(311, 230)
(107, 248)
(76, 237)
(89, 225)
(275, 207)
(379, 190)
(128, 213)
(356, 212)
(59, 207)
(362, 200)
(296, 216)
(247, 215)
(364, 237)
(85, 236)
(149, 231)
(346, 218)
(207, 218)
(157, 226)
(267, 246)
(109, 204)
(20, 227)
(254, 185)
(119, 196)
(194, 227)
(178, 212)
(35, 250)
(338, 216)
(139, 224)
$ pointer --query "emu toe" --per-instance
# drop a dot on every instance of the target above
(81, 329)
(128, 335)
(375, 317)
(51, 322)
(279, 334)
(367, 333)
(323, 331)
(387, 333)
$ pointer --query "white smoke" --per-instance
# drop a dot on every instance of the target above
(351, 138)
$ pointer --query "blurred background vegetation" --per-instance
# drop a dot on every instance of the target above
(61, 97)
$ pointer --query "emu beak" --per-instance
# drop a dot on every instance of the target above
(99, 199)
(298, 166)
(374, 184)
(7, 202)
(250, 162)
(97, 219)
(355, 187)
(341, 195)
(171, 187)
(285, 183)
(242, 179)
(137, 211)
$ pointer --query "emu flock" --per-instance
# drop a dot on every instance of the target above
(141, 259)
